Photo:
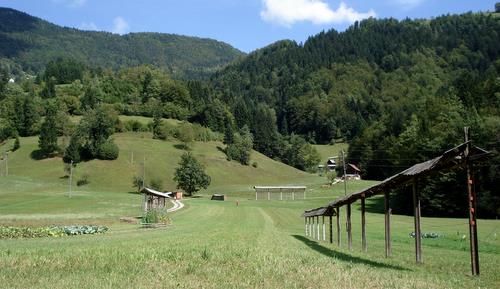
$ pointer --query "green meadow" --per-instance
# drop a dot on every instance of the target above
(212, 244)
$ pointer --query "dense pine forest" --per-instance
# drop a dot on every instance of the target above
(399, 92)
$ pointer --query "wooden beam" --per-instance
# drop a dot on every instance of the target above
(416, 214)
(349, 228)
(471, 192)
(363, 225)
(338, 227)
(331, 230)
(387, 225)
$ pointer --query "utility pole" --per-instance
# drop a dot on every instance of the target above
(70, 177)
(345, 175)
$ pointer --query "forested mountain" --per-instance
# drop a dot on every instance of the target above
(32, 42)
(399, 91)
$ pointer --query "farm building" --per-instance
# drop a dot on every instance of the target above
(156, 200)
(353, 172)
(331, 164)
(218, 197)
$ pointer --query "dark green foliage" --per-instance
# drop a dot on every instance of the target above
(63, 71)
(186, 134)
(497, 7)
(137, 182)
(17, 144)
(300, 154)
(190, 175)
(108, 151)
(158, 130)
(24, 39)
(72, 151)
(84, 180)
(47, 141)
(240, 147)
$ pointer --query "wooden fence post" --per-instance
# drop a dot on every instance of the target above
(324, 229)
(387, 225)
(331, 230)
(363, 224)
(349, 228)
(471, 192)
(416, 214)
(338, 227)
(317, 223)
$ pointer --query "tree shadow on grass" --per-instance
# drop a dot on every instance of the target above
(345, 257)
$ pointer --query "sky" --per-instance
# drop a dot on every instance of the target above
(244, 24)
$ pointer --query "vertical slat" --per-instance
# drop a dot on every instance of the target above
(387, 225)
(324, 229)
(474, 253)
(416, 215)
(363, 225)
(349, 228)
(331, 230)
(317, 227)
(305, 224)
(338, 227)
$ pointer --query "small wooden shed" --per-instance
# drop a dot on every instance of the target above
(218, 197)
(154, 199)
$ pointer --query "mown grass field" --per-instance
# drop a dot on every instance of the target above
(211, 244)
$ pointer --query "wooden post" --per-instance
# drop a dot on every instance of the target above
(324, 230)
(363, 224)
(331, 230)
(387, 225)
(281, 195)
(349, 228)
(305, 223)
(312, 227)
(268, 194)
(471, 192)
(293, 195)
(317, 223)
(338, 227)
(416, 216)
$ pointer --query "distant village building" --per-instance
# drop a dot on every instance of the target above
(331, 163)
(11, 80)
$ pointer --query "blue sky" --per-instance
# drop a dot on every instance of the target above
(245, 24)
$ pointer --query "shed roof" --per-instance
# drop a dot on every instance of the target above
(321, 211)
(156, 193)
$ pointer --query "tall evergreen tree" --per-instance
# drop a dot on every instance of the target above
(47, 142)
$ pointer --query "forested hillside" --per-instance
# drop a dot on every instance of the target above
(31, 42)
(399, 91)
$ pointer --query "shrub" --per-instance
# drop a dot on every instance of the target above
(255, 164)
(84, 180)
(133, 125)
(156, 216)
(17, 144)
(108, 151)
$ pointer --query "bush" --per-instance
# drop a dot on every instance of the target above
(17, 144)
(255, 164)
(84, 180)
(156, 216)
(108, 151)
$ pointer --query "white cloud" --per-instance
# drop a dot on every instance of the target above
(287, 12)
(120, 26)
(77, 3)
(71, 3)
(408, 4)
(88, 26)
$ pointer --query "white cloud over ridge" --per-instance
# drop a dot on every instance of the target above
(288, 12)
(120, 26)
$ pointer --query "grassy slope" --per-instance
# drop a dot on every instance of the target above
(326, 151)
(258, 244)
(37, 187)
(214, 244)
